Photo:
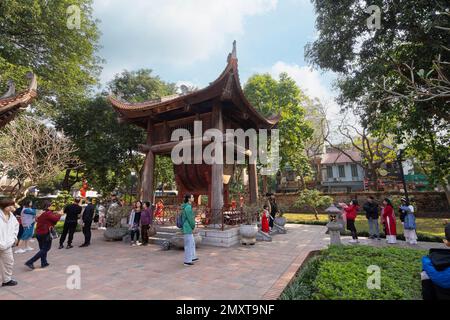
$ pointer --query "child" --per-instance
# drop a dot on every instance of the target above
(265, 220)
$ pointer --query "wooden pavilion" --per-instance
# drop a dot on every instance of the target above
(11, 103)
(221, 105)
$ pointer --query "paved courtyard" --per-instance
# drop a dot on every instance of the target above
(114, 270)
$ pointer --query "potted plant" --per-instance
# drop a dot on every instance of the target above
(248, 229)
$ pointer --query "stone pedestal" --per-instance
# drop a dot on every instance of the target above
(115, 234)
(177, 241)
(218, 238)
(334, 230)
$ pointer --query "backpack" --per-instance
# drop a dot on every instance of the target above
(410, 222)
(179, 220)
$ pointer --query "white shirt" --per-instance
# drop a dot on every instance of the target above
(9, 228)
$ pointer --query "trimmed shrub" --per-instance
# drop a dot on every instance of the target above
(340, 273)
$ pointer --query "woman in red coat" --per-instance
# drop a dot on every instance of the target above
(45, 221)
(388, 219)
(351, 211)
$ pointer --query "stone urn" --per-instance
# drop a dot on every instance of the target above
(115, 234)
(281, 221)
(248, 233)
(177, 240)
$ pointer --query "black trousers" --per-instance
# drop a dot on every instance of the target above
(272, 220)
(144, 233)
(87, 232)
(133, 233)
(69, 228)
(430, 291)
(351, 227)
(45, 244)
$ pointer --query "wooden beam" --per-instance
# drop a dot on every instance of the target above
(253, 183)
(149, 167)
(217, 172)
(167, 147)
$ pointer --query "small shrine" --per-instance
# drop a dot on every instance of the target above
(221, 105)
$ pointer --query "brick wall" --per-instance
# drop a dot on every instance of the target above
(427, 203)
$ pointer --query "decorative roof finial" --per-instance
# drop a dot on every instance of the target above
(11, 90)
(232, 55)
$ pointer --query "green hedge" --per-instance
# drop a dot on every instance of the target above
(60, 225)
(340, 272)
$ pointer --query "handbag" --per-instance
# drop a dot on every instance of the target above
(53, 234)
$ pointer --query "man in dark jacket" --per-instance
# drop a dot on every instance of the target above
(72, 212)
(371, 209)
(88, 216)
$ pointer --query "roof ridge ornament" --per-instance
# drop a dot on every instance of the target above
(233, 54)
(11, 90)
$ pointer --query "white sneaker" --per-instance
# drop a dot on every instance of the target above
(20, 251)
(29, 249)
(138, 243)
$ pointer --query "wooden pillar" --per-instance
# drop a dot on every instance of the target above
(252, 183)
(149, 167)
(217, 172)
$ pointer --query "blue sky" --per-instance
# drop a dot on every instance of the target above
(187, 41)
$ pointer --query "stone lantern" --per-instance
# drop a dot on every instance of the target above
(335, 224)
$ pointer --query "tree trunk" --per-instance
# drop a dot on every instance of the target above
(264, 184)
(447, 192)
(316, 213)
(66, 184)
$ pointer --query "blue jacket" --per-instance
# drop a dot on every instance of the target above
(440, 278)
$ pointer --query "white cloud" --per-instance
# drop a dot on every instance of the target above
(176, 32)
(311, 82)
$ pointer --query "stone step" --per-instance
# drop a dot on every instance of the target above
(164, 235)
(157, 241)
(167, 229)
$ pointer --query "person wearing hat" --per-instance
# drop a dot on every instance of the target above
(72, 212)
(9, 228)
(436, 271)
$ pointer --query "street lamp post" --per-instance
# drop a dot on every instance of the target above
(402, 174)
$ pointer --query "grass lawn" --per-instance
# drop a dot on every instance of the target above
(341, 273)
(425, 226)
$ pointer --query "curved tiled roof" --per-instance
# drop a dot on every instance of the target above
(227, 83)
(11, 103)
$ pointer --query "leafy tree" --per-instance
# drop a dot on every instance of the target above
(393, 77)
(38, 36)
(32, 153)
(375, 151)
(284, 97)
(107, 148)
(313, 199)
